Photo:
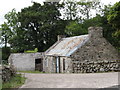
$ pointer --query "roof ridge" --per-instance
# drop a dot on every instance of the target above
(76, 36)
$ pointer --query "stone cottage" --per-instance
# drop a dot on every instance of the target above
(26, 61)
(84, 53)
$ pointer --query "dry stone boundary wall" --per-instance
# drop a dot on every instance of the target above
(7, 73)
(92, 67)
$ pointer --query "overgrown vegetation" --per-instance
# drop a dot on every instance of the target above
(31, 51)
(14, 82)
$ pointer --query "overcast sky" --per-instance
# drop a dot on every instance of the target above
(8, 5)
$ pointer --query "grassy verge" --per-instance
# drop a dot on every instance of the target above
(14, 82)
(30, 71)
(0, 82)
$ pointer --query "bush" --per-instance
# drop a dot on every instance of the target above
(14, 82)
(7, 73)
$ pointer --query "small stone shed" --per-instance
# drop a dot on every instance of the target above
(84, 53)
(26, 61)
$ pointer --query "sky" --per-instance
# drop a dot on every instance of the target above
(8, 5)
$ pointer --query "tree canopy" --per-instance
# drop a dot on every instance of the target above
(37, 26)
(114, 18)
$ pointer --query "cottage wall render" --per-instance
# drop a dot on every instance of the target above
(24, 61)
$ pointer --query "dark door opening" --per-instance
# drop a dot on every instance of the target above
(63, 64)
(38, 64)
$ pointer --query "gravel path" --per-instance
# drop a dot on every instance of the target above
(91, 80)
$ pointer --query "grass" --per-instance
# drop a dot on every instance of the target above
(15, 82)
(30, 71)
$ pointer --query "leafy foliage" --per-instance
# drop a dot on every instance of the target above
(114, 15)
(40, 25)
(9, 27)
(31, 51)
(5, 53)
(86, 7)
(114, 18)
(74, 29)
(36, 26)
(70, 10)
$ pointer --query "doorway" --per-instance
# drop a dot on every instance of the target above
(38, 64)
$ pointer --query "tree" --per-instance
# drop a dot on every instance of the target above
(70, 10)
(87, 7)
(5, 34)
(36, 26)
(74, 29)
(40, 26)
(78, 14)
(114, 18)
(9, 27)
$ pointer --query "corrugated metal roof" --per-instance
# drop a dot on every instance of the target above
(67, 46)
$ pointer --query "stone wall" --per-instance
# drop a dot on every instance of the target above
(49, 64)
(24, 61)
(90, 67)
(7, 73)
(97, 48)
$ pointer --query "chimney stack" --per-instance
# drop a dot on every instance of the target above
(59, 37)
(95, 32)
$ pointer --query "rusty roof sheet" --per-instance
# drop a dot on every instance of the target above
(67, 46)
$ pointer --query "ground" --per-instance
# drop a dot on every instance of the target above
(91, 80)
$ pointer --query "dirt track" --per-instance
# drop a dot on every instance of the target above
(92, 80)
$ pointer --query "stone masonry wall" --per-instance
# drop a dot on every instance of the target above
(97, 48)
(49, 64)
(7, 73)
(90, 67)
(97, 54)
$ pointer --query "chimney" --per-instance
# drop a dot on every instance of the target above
(95, 32)
(59, 37)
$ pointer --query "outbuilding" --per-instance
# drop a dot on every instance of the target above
(26, 61)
